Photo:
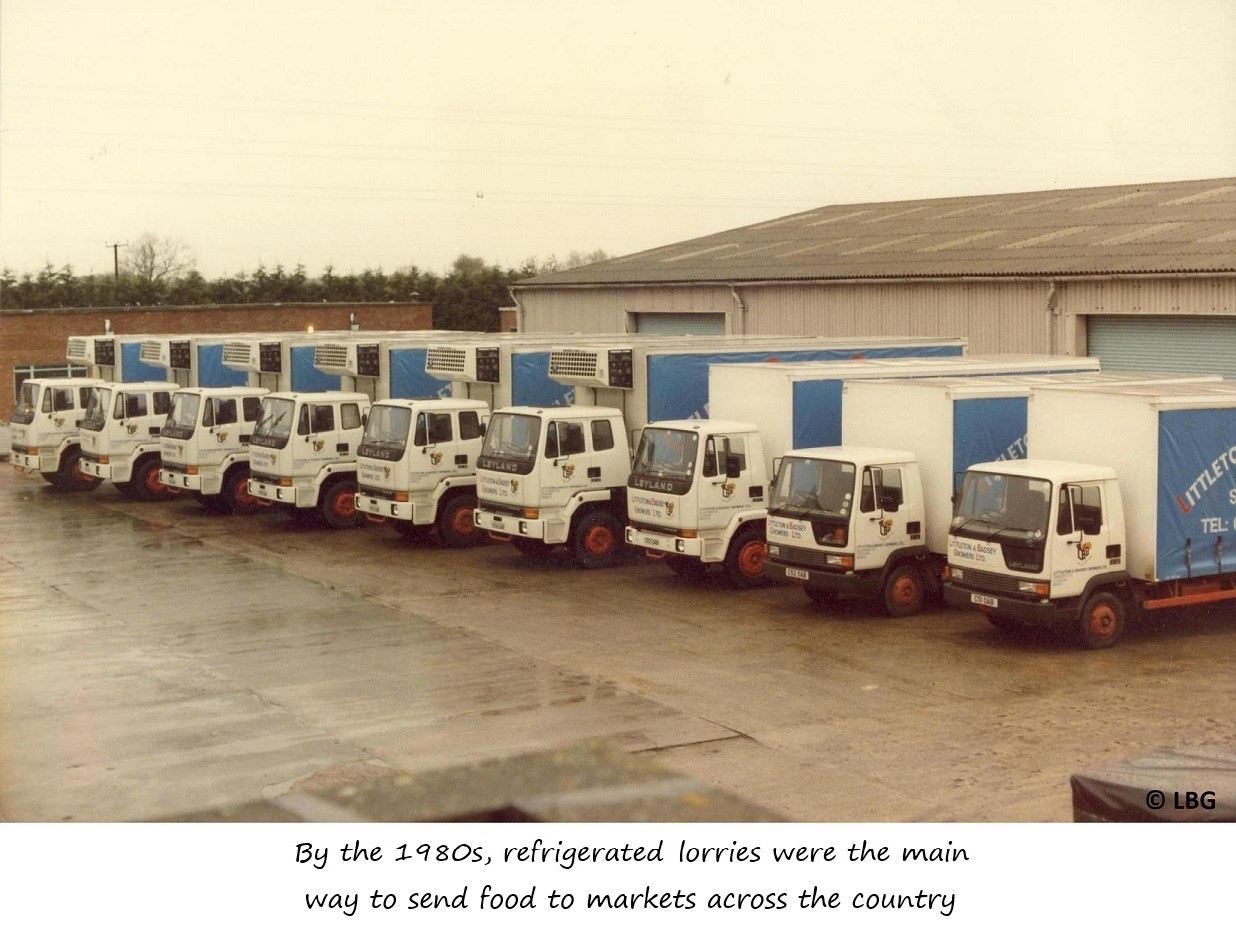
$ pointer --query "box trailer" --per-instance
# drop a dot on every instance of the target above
(387, 365)
(196, 360)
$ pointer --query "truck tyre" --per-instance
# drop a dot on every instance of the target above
(338, 506)
(69, 477)
(1102, 621)
(903, 591)
(146, 485)
(744, 563)
(530, 547)
(687, 567)
(597, 540)
(820, 595)
(235, 494)
(455, 524)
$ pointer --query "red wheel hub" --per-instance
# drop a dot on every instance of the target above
(345, 505)
(751, 558)
(155, 487)
(599, 540)
(905, 591)
(243, 497)
(462, 522)
(1102, 621)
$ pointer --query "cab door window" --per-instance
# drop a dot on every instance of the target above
(323, 418)
(1081, 509)
(61, 399)
(134, 405)
(349, 416)
(469, 425)
(225, 411)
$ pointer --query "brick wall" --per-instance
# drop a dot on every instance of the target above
(39, 337)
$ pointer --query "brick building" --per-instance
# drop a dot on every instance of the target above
(35, 340)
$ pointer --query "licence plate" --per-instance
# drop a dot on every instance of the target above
(650, 541)
(796, 574)
(987, 600)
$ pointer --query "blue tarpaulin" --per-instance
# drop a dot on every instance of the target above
(531, 384)
(305, 378)
(212, 373)
(409, 378)
(1197, 493)
(986, 430)
(132, 369)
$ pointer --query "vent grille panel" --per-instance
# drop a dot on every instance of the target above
(152, 351)
(331, 354)
(446, 359)
(77, 348)
(236, 352)
(573, 363)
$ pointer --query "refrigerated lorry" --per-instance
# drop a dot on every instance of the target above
(1127, 505)
(45, 435)
(120, 436)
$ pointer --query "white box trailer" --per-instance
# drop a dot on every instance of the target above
(386, 365)
(1127, 504)
(800, 405)
(113, 357)
(662, 383)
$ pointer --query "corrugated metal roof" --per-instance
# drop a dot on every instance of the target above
(1180, 226)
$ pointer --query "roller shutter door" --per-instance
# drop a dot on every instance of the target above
(1170, 344)
(674, 324)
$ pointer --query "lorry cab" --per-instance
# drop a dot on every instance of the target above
(697, 495)
(849, 520)
(120, 436)
(1031, 540)
(45, 431)
(416, 466)
(303, 452)
(550, 476)
(204, 445)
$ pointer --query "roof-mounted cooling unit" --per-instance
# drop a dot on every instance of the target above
(464, 363)
(597, 367)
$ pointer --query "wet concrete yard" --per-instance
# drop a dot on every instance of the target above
(155, 659)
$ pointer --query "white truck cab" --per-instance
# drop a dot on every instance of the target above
(303, 453)
(120, 436)
(849, 520)
(45, 432)
(697, 495)
(549, 476)
(416, 467)
(204, 445)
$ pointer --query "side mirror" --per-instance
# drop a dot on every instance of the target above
(776, 467)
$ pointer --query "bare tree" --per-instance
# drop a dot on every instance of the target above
(153, 259)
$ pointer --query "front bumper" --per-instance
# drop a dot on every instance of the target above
(840, 581)
(666, 543)
(175, 479)
(384, 507)
(269, 490)
(533, 528)
(92, 467)
(1036, 613)
(24, 460)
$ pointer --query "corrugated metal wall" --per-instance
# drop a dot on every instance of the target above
(999, 316)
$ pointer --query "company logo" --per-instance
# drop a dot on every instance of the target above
(514, 485)
(727, 490)
(386, 472)
(1224, 463)
(886, 525)
(221, 436)
(132, 428)
(59, 422)
(435, 458)
(317, 445)
(1083, 551)
(669, 508)
(568, 470)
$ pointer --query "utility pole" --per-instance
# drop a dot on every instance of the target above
(115, 248)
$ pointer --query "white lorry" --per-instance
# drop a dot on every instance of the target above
(120, 436)
(1128, 504)
(714, 514)
(204, 445)
(302, 453)
(45, 433)
(416, 467)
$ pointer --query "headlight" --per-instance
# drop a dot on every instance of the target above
(953, 572)
(844, 561)
(1034, 588)
(774, 550)
(680, 545)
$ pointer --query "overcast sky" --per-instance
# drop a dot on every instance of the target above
(367, 134)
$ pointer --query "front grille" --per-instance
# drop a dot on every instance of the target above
(989, 582)
(800, 555)
(652, 528)
(497, 509)
(263, 477)
(446, 359)
(175, 467)
(330, 354)
(577, 363)
(385, 494)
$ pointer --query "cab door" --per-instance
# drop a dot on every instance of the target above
(885, 521)
(1080, 539)
(724, 480)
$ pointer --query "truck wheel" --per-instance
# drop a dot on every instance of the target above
(338, 506)
(146, 485)
(820, 596)
(1102, 621)
(744, 564)
(687, 567)
(597, 540)
(903, 591)
(455, 525)
(235, 494)
(531, 548)
(69, 477)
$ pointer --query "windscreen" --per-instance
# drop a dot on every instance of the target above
(810, 487)
(182, 419)
(665, 460)
(96, 409)
(510, 443)
(27, 403)
(274, 423)
(386, 433)
(991, 504)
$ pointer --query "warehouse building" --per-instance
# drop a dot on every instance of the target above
(1143, 276)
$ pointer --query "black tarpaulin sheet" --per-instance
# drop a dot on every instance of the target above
(1191, 784)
